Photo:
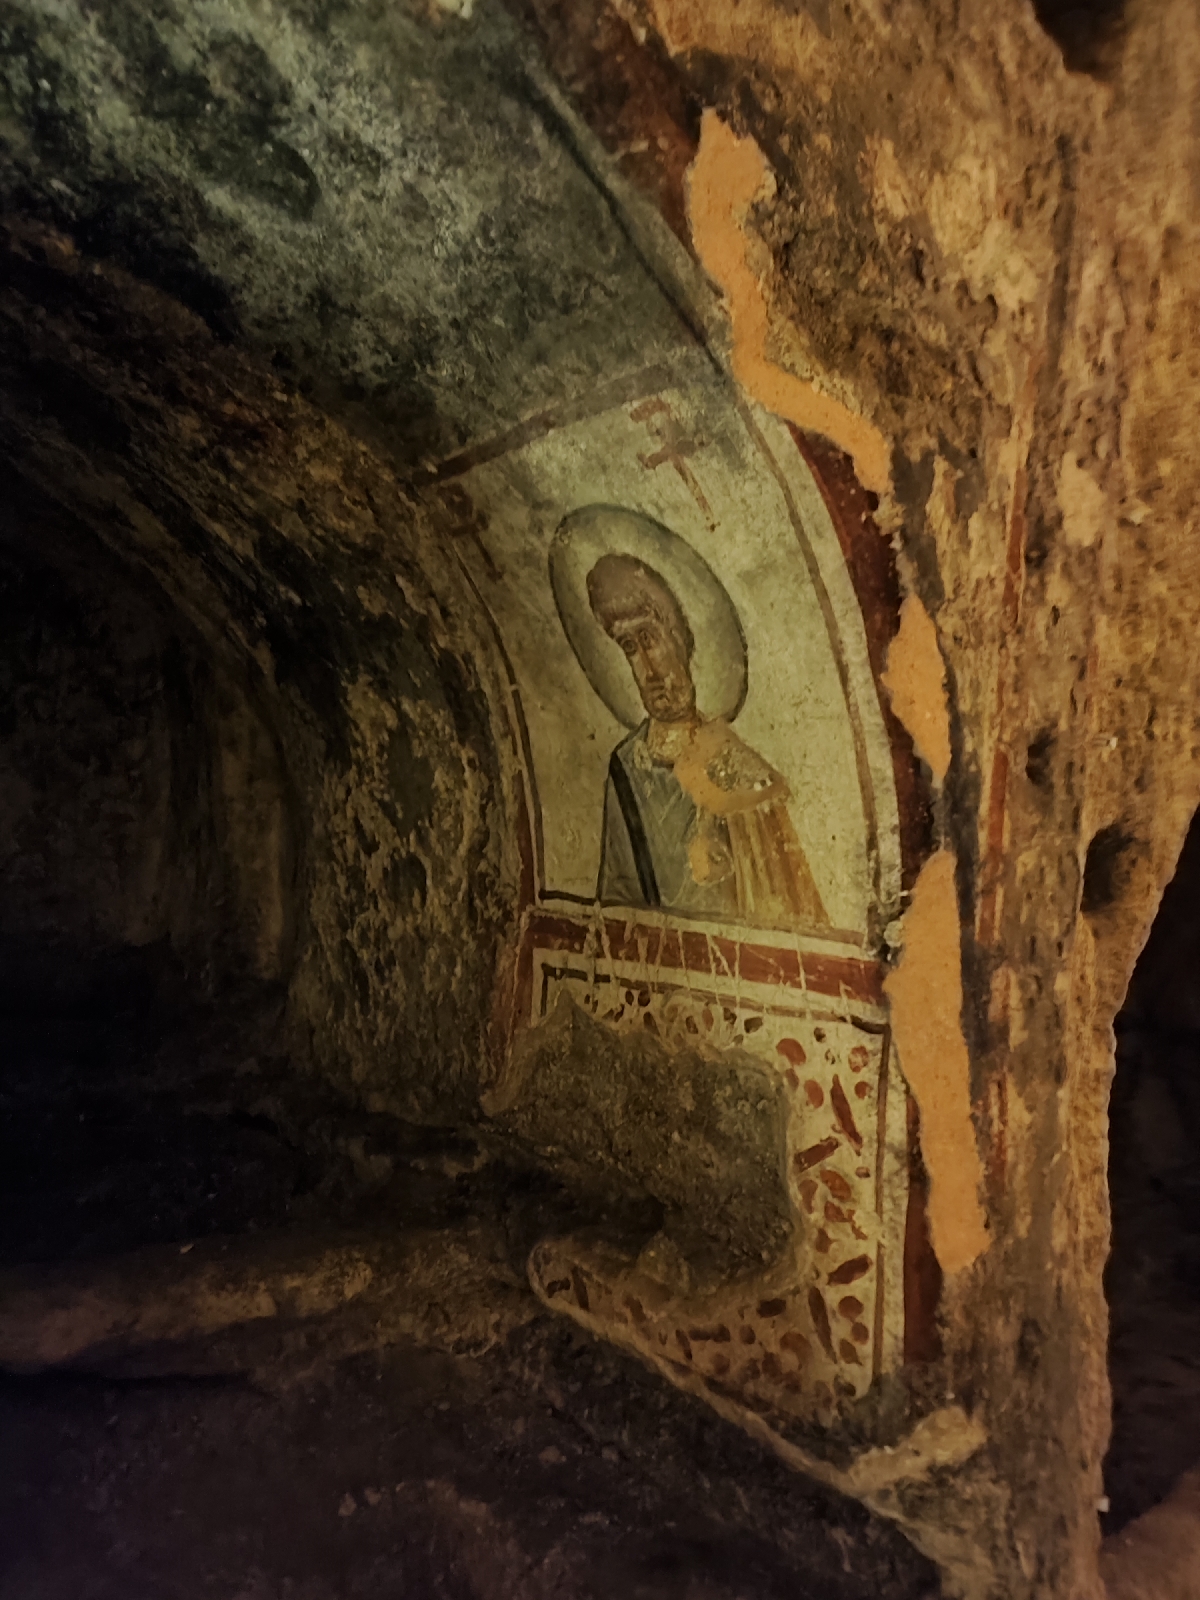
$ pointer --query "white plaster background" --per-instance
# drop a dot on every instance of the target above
(795, 711)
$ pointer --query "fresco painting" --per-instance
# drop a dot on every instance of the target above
(694, 819)
(714, 850)
(817, 1327)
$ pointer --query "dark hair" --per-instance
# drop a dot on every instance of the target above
(622, 587)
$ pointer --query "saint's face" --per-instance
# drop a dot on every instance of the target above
(660, 667)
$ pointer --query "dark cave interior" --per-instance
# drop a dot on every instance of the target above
(155, 1119)
(1153, 1275)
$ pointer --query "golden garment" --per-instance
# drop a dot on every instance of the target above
(744, 837)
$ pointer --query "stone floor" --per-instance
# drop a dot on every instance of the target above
(550, 1468)
(288, 1464)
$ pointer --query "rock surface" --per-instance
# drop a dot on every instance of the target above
(266, 271)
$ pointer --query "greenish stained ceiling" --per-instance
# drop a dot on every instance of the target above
(389, 201)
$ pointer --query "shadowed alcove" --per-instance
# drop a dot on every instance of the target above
(1154, 1272)
(149, 884)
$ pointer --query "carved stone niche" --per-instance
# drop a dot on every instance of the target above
(719, 816)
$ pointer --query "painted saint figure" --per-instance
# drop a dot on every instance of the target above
(694, 819)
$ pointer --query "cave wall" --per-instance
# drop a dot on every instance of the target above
(86, 759)
(341, 665)
(355, 200)
(969, 228)
(144, 801)
(952, 240)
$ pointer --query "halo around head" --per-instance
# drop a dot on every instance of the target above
(719, 661)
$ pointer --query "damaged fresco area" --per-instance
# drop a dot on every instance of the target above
(609, 552)
(712, 856)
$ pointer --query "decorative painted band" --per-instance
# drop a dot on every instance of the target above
(699, 952)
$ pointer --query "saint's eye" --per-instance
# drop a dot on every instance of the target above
(629, 646)
(645, 639)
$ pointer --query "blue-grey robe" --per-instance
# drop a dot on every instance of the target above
(649, 821)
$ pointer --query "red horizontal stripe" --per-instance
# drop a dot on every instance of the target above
(716, 956)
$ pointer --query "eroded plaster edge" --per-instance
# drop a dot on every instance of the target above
(728, 174)
(926, 996)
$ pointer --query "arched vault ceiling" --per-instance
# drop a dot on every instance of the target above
(390, 203)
